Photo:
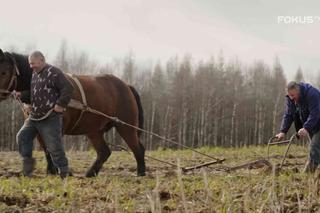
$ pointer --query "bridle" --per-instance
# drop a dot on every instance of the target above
(12, 85)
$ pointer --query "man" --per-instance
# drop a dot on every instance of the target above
(303, 108)
(49, 96)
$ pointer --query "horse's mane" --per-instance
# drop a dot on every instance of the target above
(24, 79)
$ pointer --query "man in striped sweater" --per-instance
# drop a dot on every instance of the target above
(49, 96)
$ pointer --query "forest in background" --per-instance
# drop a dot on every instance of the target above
(196, 103)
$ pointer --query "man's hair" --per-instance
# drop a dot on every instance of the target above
(293, 85)
(37, 54)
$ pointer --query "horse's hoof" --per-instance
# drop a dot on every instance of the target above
(90, 174)
(140, 174)
(52, 171)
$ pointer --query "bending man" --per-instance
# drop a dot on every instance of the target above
(303, 108)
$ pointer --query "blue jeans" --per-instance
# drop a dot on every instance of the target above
(50, 130)
(315, 148)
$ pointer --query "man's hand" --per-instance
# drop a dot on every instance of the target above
(280, 135)
(303, 132)
(58, 108)
(16, 94)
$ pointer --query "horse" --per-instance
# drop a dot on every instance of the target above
(105, 93)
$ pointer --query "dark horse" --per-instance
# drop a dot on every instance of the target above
(105, 93)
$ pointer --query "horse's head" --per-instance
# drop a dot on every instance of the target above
(8, 74)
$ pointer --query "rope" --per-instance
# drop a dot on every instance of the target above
(147, 156)
(80, 106)
(25, 112)
(184, 169)
(117, 120)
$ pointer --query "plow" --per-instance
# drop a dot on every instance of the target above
(255, 164)
(273, 142)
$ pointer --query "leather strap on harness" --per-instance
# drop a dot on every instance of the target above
(12, 83)
(83, 99)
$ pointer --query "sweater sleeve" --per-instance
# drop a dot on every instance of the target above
(64, 87)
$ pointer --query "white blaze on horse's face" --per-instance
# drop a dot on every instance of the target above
(36, 63)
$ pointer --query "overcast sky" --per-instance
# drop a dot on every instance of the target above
(246, 29)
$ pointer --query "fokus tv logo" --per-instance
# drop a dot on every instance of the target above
(298, 19)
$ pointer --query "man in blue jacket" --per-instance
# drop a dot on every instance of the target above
(303, 108)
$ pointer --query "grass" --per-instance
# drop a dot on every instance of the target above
(164, 189)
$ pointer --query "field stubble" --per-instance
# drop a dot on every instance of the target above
(234, 186)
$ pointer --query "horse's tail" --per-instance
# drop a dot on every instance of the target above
(140, 109)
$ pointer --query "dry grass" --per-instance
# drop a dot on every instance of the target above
(164, 189)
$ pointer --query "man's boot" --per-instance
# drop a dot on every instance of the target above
(28, 166)
(65, 173)
(310, 167)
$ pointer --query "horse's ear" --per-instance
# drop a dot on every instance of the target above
(2, 56)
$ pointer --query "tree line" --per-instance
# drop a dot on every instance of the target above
(196, 103)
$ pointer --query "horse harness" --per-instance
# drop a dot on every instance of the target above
(76, 104)
(4, 93)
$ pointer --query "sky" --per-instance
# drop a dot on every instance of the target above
(248, 30)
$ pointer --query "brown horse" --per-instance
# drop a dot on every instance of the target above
(105, 93)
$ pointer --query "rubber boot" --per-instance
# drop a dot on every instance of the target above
(28, 166)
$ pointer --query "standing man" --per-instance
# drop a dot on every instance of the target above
(49, 96)
(303, 108)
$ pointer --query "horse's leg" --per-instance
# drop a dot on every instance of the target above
(103, 152)
(131, 138)
(51, 169)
